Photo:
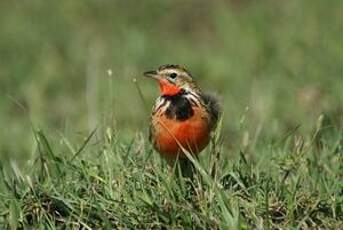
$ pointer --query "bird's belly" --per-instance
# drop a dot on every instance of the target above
(192, 134)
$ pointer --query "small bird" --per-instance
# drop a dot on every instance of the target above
(183, 117)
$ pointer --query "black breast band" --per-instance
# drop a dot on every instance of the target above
(180, 107)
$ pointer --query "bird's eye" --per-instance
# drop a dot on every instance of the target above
(173, 75)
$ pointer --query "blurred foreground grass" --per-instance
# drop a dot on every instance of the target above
(67, 67)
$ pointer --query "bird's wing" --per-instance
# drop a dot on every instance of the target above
(213, 107)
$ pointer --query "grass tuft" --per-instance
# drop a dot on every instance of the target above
(118, 184)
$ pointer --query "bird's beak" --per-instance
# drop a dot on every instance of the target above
(151, 74)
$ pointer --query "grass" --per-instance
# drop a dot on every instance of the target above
(74, 149)
(292, 182)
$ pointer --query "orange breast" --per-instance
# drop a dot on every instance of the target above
(192, 134)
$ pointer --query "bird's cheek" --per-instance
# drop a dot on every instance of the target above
(168, 89)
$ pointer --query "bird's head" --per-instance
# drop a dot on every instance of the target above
(173, 79)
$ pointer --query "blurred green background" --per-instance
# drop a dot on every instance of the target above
(275, 64)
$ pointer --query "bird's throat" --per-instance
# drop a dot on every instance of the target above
(168, 89)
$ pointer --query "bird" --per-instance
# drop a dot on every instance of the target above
(183, 117)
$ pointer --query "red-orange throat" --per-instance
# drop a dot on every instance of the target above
(167, 88)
